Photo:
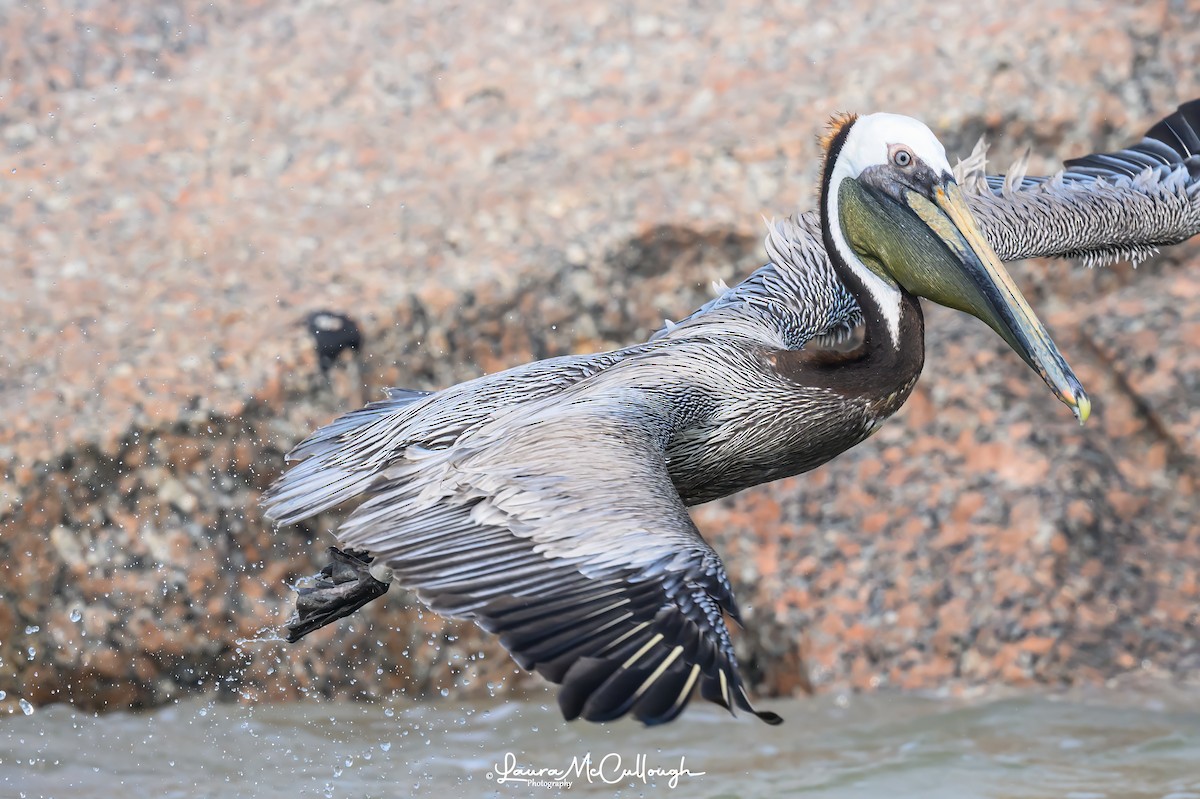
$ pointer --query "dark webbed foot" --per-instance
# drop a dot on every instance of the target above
(339, 589)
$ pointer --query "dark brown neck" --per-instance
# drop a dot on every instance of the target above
(870, 368)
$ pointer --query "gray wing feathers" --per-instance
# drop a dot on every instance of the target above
(1100, 223)
(335, 463)
(795, 298)
(1102, 207)
(342, 459)
(511, 476)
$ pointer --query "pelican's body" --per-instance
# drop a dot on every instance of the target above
(549, 502)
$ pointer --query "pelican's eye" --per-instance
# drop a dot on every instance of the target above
(902, 156)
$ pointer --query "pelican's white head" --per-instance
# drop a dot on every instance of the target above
(876, 139)
(895, 221)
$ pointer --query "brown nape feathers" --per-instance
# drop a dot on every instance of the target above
(837, 123)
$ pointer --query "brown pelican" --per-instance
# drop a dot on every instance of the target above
(548, 502)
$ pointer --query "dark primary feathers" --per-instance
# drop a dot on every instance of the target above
(1172, 142)
(549, 502)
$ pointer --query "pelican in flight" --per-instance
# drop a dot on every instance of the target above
(549, 503)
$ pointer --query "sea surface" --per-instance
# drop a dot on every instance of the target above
(1085, 744)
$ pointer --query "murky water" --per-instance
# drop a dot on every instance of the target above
(1085, 745)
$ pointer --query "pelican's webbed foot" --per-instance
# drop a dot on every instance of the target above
(339, 589)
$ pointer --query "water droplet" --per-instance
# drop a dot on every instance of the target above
(76, 615)
(31, 629)
(26, 708)
(385, 746)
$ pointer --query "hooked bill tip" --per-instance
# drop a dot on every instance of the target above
(1081, 406)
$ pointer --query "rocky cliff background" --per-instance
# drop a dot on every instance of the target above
(484, 184)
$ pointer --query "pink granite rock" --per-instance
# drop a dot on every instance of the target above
(180, 185)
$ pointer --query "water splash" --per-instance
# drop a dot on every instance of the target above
(266, 635)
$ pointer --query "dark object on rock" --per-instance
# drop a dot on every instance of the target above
(333, 333)
(339, 589)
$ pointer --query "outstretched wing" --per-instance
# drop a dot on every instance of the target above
(1102, 207)
(559, 530)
